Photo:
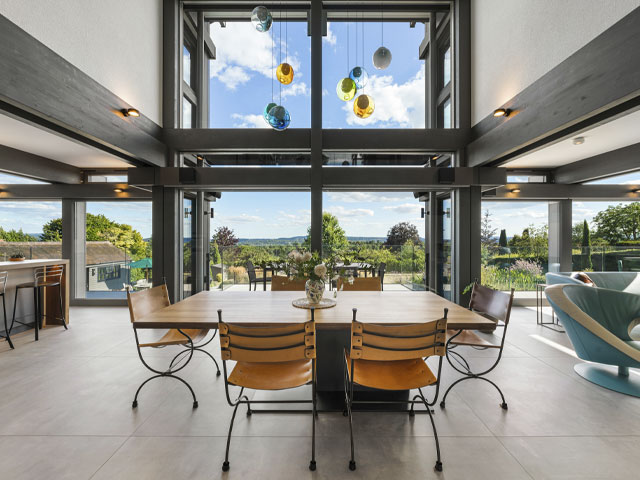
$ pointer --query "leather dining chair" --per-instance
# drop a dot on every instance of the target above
(369, 284)
(286, 284)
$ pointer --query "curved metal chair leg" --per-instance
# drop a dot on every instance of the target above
(64, 320)
(444, 397)
(503, 405)
(225, 464)
(176, 357)
(15, 303)
(211, 357)
(438, 465)
(135, 399)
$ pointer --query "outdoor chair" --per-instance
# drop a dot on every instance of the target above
(43, 277)
(372, 284)
(3, 287)
(269, 358)
(381, 269)
(253, 279)
(494, 305)
(286, 284)
(146, 302)
(599, 323)
(385, 357)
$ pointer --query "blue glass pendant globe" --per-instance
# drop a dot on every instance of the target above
(261, 19)
(360, 76)
(279, 118)
(266, 111)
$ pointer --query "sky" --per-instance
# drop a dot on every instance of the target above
(241, 84)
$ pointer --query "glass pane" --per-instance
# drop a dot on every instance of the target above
(350, 159)
(32, 230)
(187, 113)
(258, 159)
(445, 250)
(632, 179)
(446, 70)
(187, 247)
(447, 113)
(118, 248)
(186, 65)
(398, 92)
(108, 178)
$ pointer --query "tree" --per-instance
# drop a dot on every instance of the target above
(401, 233)
(16, 236)
(618, 223)
(333, 237)
(586, 247)
(52, 231)
(487, 233)
(224, 237)
(502, 242)
(215, 254)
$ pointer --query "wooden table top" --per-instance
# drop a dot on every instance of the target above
(268, 308)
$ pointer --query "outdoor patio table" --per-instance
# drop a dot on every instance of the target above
(333, 325)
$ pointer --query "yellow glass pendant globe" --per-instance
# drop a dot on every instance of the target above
(346, 89)
(284, 73)
(363, 106)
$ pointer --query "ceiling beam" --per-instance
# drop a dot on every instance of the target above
(85, 191)
(42, 88)
(617, 162)
(333, 178)
(17, 162)
(593, 85)
(551, 191)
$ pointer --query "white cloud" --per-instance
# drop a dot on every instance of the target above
(331, 37)
(302, 217)
(404, 208)
(368, 197)
(342, 212)
(249, 121)
(241, 50)
(242, 218)
(396, 105)
(295, 89)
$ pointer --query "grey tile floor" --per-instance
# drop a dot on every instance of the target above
(65, 413)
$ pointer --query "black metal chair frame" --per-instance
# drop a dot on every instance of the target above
(464, 368)
(251, 272)
(419, 399)
(242, 399)
(381, 269)
(40, 275)
(3, 286)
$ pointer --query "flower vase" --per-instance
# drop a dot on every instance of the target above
(314, 290)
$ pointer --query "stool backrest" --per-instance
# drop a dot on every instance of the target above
(145, 302)
(371, 284)
(281, 343)
(404, 342)
(50, 274)
(286, 284)
(3, 281)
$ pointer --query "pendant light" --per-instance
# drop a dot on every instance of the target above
(364, 105)
(284, 73)
(278, 116)
(358, 74)
(261, 19)
(266, 112)
(382, 56)
(346, 88)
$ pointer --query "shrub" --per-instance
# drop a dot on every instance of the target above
(218, 277)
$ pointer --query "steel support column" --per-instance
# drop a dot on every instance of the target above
(431, 239)
(316, 125)
(560, 236)
(467, 249)
(74, 246)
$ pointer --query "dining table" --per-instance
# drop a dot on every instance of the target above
(333, 325)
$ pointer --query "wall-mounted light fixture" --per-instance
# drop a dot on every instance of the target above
(635, 190)
(502, 112)
(210, 213)
(515, 190)
(187, 212)
(118, 190)
(130, 112)
(422, 212)
(578, 140)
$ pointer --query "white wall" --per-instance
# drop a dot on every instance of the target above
(515, 42)
(116, 42)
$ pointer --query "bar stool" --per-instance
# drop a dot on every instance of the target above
(49, 276)
(3, 286)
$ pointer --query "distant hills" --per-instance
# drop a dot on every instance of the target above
(298, 239)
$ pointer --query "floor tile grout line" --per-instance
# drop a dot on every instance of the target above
(524, 469)
(110, 457)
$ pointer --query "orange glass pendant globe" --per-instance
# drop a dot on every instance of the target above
(363, 106)
(284, 73)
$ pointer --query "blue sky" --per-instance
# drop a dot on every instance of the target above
(241, 75)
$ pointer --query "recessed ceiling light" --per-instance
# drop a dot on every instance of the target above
(515, 190)
(130, 112)
(578, 140)
(118, 190)
(501, 112)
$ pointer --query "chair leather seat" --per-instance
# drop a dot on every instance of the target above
(174, 337)
(392, 375)
(470, 339)
(271, 376)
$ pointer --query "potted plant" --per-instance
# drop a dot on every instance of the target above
(16, 257)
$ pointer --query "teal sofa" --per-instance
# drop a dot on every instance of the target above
(599, 323)
(621, 281)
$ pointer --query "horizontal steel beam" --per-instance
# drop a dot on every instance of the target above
(578, 93)
(18, 162)
(395, 140)
(42, 88)
(86, 191)
(211, 140)
(550, 191)
(333, 178)
(616, 162)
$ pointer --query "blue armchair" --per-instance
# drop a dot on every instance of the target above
(599, 323)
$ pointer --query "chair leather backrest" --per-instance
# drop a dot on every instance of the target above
(251, 270)
(145, 302)
(493, 303)
(390, 342)
(370, 284)
(281, 343)
(381, 269)
(286, 284)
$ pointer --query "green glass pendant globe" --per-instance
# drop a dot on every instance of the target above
(346, 89)
(266, 111)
